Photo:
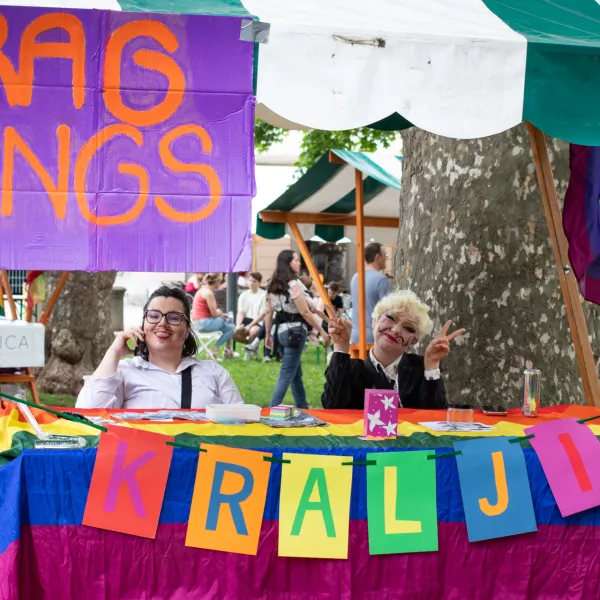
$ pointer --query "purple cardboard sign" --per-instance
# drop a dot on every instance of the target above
(127, 141)
(569, 453)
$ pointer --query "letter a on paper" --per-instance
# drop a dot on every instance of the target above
(495, 488)
(229, 500)
(401, 502)
(129, 481)
(314, 506)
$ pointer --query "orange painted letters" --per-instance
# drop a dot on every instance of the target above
(178, 167)
(19, 86)
(57, 193)
(83, 160)
(149, 59)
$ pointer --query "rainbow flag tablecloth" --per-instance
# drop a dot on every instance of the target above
(46, 553)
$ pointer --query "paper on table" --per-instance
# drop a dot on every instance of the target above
(162, 415)
(445, 426)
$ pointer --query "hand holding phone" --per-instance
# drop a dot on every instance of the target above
(128, 341)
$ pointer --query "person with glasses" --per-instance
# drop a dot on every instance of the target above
(164, 373)
(400, 321)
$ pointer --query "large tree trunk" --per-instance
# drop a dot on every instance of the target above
(474, 244)
(79, 331)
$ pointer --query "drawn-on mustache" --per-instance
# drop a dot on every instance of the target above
(400, 339)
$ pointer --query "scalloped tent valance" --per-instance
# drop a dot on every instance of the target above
(458, 68)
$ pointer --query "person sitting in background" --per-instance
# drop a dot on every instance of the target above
(164, 372)
(208, 318)
(194, 283)
(251, 312)
(400, 320)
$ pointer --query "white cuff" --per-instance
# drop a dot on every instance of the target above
(433, 374)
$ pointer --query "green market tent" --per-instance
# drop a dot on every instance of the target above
(326, 194)
(457, 68)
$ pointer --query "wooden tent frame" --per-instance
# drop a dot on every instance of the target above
(292, 219)
(28, 377)
(568, 285)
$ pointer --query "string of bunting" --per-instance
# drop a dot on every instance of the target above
(484, 464)
(511, 441)
(364, 463)
(76, 419)
(56, 413)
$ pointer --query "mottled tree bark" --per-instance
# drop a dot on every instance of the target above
(474, 244)
(79, 331)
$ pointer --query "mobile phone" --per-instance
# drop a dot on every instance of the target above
(491, 410)
(141, 349)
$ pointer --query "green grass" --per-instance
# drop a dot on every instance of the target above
(255, 380)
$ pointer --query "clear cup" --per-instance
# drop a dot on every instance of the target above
(459, 414)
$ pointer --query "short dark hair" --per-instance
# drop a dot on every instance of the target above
(371, 252)
(190, 346)
(334, 287)
(256, 276)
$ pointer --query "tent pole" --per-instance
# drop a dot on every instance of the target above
(8, 291)
(53, 299)
(312, 269)
(360, 264)
(568, 285)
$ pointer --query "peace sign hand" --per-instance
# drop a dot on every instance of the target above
(339, 329)
(439, 347)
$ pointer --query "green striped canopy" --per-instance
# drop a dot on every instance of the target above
(330, 188)
(459, 68)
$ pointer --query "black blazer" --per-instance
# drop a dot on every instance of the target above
(346, 380)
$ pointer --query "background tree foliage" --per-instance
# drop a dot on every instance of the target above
(316, 142)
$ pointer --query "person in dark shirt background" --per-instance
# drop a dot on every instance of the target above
(400, 320)
(333, 289)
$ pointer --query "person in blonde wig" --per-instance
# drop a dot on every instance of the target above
(400, 321)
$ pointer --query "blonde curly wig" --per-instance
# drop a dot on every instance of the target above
(405, 301)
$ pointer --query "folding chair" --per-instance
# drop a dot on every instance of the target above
(205, 341)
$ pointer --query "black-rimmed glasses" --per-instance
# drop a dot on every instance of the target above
(173, 317)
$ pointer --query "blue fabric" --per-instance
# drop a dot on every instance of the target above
(214, 324)
(10, 493)
(290, 373)
(478, 476)
(52, 486)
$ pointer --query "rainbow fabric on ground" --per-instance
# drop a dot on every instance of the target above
(45, 552)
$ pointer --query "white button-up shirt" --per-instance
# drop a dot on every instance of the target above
(141, 384)
(391, 371)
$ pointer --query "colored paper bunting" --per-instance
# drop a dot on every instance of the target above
(132, 466)
(229, 500)
(128, 482)
(569, 453)
(495, 488)
(401, 503)
(314, 506)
